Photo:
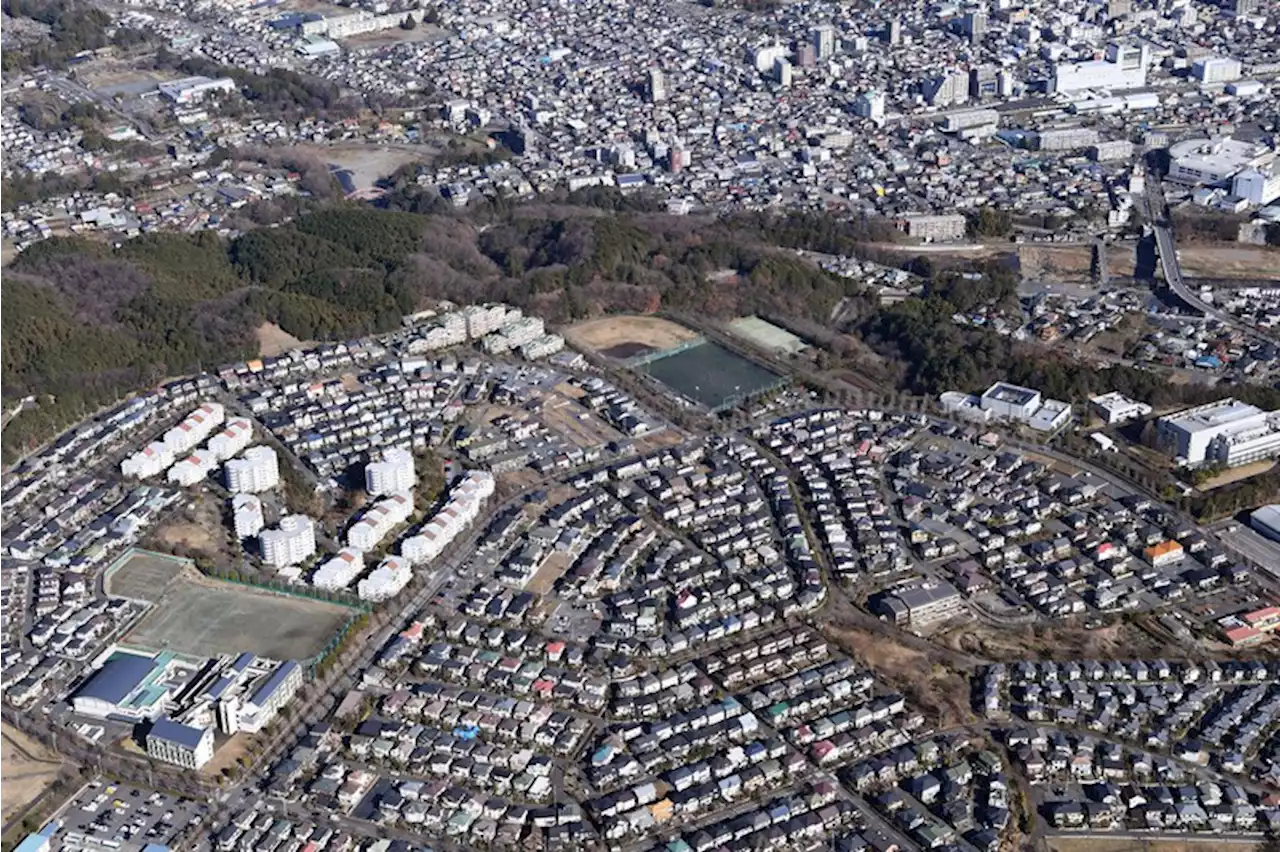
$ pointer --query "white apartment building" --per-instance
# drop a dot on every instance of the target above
(379, 520)
(151, 460)
(246, 515)
(391, 474)
(257, 470)
(486, 319)
(465, 502)
(514, 334)
(231, 440)
(541, 347)
(190, 470)
(197, 426)
(387, 580)
(340, 571)
(292, 543)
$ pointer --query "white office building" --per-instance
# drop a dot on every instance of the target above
(291, 543)
(182, 745)
(255, 471)
(378, 520)
(1227, 432)
(190, 90)
(340, 571)
(1123, 67)
(387, 580)
(391, 474)
(246, 515)
(1259, 187)
(870, 105)
(1115, 408)
(1216, 69)
(1246, 446)
(1216, 161)
(1003, 401)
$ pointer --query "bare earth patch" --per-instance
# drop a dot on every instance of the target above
(1057, 642)
(642, 333)
(29, 769)
(272, 340)
(1229, 261)
(1236, 474)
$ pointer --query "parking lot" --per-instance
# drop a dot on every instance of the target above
(122, 817)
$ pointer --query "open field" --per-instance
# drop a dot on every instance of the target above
(29, 769)
(144, 576)
(628, 336)
(366, 163)
(1227, 261)
(201, 617)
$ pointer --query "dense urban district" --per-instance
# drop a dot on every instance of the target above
(649, 426)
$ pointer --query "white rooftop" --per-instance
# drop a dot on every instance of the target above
(1214, 415)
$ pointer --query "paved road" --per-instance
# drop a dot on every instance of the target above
(1158, 215)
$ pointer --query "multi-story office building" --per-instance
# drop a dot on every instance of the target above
(1227, 432)
(182, 745)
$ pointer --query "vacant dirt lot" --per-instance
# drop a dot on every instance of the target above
(272, 340)
(1229, 261)
(625, 337)
(29, 768)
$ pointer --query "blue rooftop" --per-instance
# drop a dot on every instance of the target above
(119, 676)
(176, 732)
(263, 693)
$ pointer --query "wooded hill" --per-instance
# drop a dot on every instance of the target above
(85, 323)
